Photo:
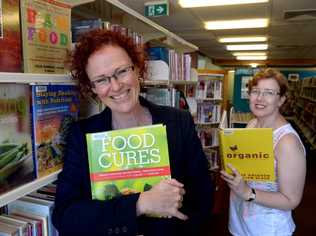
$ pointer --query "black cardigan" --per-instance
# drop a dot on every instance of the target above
(75, 213)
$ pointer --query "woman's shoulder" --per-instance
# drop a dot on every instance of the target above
(93, 123)
(252, 123)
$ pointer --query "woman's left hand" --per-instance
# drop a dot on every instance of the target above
(236, 183)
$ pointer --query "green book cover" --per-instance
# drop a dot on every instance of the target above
(127, 161)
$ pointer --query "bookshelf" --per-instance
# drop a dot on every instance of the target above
(238, 119)
(305, 111)
(6, 77)
(210, 104)
(27, 188)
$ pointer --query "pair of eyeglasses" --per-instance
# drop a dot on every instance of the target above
(255, 92)
(119, 74)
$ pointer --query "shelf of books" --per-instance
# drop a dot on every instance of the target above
(27, 188)
(171, 39)
(239, 119)
(209, 98)
(305, 110)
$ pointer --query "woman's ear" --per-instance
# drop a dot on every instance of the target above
(282, 100)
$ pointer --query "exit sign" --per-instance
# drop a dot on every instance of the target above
(157, 8)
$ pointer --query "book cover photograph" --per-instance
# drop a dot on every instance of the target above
(54, 108)
(16, 163)
(10, 36)
(127, 161)
(46, 36)
(250, 151)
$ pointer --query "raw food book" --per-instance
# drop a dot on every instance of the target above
(250, 151)
(127, 161)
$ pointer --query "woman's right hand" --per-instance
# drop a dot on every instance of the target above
(164, 199)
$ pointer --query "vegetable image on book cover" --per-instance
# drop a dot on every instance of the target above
(127, 161)
(250, 151)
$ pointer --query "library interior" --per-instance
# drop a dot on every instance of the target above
(202, 57)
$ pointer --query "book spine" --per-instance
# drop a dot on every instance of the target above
(33, 128)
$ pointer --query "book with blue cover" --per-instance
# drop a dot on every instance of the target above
(54, 108)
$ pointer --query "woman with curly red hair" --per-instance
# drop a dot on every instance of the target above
(110, 66)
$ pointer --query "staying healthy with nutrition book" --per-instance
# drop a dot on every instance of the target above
(250, 151)
(127, 161)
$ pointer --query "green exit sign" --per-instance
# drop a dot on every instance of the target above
(157, 8)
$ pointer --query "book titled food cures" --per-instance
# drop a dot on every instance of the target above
(250, 151)
(127, 161)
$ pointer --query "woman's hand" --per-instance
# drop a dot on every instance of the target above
(236, 183)
(164, 199)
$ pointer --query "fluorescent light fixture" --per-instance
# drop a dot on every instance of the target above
(242, 39)
(236, 54)
(251, 58)
(254, 65)
(244, 47)
(237, 24)
(210, 3)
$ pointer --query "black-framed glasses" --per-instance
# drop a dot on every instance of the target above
(269, 93)
(119, 74)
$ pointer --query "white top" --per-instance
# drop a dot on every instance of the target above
(251, 219)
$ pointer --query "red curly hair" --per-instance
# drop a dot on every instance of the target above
(270, 73)
(92, 41)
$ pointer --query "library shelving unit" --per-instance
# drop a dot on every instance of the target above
(305, 111)
(238, 119)
(28, 78)
(27, 188)
(210, 104)
(115, 12)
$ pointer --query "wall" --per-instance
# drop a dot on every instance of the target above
(242, 104)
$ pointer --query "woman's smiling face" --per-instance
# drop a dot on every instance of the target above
(264, 98)
(120, 92)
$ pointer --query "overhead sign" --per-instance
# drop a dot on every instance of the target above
(157, 8)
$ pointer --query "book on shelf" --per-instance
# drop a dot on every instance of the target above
(39, 223)
(250, 151)
(79, 27)
(45, 35)
(208, 137)
(24, 228)
(39, 207)
(43, 196)
(9, 230)
(10, 36)
(49, 189)
(54, 108)
(32, 224)
(16, 164)
(160, 96)
(127, 161)
(208, 112)
(209, 89)
(212, 157)
(158, 70)
(158, 53)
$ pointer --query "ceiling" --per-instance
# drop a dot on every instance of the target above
(291, 36)
(291, 41)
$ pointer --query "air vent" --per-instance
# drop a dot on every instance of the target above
(300, 15)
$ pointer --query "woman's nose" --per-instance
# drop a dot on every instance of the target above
(115, 84)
